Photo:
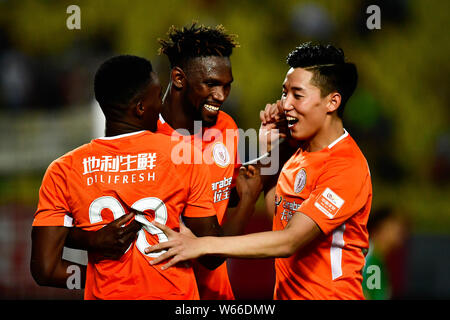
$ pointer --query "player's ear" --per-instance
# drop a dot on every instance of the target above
(178, 78)
(139, 109)
(334, 101)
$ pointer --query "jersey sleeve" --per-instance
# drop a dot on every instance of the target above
(340, 192)
(53, 209)
(199, 202)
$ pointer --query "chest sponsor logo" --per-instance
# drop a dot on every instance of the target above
(121, 169)
(329, 203)
(124, 163)
(220, 155)
(300, 181)
(221, 189)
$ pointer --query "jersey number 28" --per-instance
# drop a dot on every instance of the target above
(150, 203)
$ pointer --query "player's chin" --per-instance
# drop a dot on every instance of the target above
(209, 120)
(298, 134)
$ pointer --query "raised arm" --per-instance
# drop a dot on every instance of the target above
(248, 188)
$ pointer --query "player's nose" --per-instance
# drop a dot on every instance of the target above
(287, 105)
(219, 95)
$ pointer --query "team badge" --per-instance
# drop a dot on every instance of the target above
(300, 181)
(220, 155)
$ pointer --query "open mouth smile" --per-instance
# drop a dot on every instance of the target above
(291, 121)
(211, 107)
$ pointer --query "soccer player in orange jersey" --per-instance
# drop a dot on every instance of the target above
(323, 195)
(200, 82)
(107, 179)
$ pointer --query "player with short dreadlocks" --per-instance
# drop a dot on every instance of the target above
(196, 41)
(201, 74)
(200, 82)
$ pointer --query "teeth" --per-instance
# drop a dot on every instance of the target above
(210, 107)
(290, 118)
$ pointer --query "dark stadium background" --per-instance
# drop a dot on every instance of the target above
(399, 114)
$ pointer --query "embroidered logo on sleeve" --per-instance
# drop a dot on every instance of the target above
(329, 203)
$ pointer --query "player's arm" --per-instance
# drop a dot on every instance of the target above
(234, 198)
(201, 227)
(47, 266)
(275, 139)
(51, 226)
(199, 214)
(280, 150)
(248, 187)
(109, 242)
(269, 200)
(181, 246)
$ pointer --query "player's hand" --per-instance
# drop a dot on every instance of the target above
(181, 246)
(248, 183)
(273, 125)
(273, 112)
(111, 241)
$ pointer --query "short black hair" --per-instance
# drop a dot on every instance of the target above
(196, 41)
(119, 81)
(330, 70)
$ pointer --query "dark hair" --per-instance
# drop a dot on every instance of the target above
(196, 41)
(119, 81)
(330, 70)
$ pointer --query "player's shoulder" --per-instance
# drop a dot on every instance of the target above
(161, 139)
(156, 141)
(346, 155)
(65, 162)
(225, 121)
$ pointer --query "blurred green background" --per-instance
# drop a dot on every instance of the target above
(399, 113)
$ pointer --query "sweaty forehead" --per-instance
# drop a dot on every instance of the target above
(211, 66)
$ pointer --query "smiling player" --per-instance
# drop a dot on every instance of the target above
(323, 195)
(200, 82)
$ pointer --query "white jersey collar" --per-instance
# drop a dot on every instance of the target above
(331, 145)
(121, 135)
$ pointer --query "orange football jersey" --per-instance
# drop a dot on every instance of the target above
(100, 181)
(219, 145)
(333, 187)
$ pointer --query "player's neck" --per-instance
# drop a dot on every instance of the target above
(175, 114)
(115, 128)
(330, 132)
